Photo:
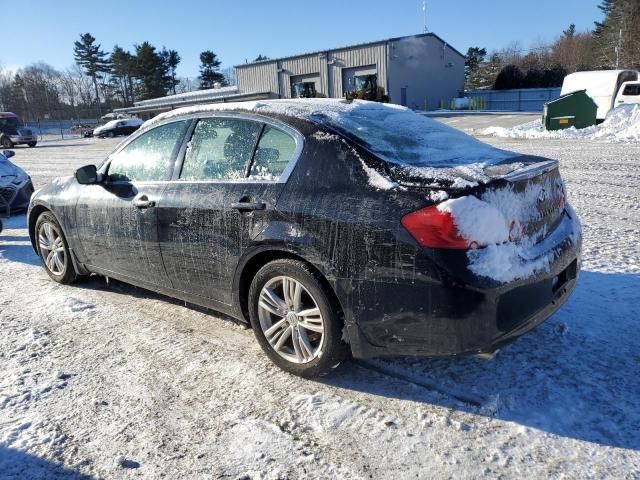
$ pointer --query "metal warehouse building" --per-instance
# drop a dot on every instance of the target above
(416, 71)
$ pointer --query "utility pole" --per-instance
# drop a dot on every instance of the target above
(618, 49)
(424, 15)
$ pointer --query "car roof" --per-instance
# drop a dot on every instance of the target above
(298, 108)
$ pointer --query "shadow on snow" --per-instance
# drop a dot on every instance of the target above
(21, 465)
(575, 376)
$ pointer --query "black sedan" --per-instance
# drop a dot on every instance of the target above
(15, 186)
(330, 226)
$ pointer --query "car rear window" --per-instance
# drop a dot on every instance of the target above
(401, 136)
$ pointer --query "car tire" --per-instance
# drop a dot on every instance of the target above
(49, 236)
(307, 345)
(32, 144)
(110, 135)
(6, 142)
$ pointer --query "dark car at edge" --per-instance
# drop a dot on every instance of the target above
(330, 226)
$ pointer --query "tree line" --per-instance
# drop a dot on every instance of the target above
(100, 81)
(612, 43)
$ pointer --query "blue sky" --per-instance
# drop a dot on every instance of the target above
(241, 29)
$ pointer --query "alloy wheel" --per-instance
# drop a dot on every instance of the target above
(52, 248)
(291, 320)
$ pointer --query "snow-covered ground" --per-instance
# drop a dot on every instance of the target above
(621, 125)
(109, 381)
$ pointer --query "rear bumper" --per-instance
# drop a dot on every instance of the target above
(447, 316)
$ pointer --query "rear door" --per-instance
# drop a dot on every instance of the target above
(234, 168)
(117, 219)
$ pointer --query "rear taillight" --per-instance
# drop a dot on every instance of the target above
(433, 228)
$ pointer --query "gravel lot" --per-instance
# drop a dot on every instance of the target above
(109, 381)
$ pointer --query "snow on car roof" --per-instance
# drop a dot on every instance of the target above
(394, 133)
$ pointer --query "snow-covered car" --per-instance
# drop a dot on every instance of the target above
(328, 225)
(116, 128)
(15, 185)
(13, 132)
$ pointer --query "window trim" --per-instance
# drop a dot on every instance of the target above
(284, 176)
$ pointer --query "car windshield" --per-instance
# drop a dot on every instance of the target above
(400, 136)
(11, 122)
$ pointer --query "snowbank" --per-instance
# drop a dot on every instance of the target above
(621, 125)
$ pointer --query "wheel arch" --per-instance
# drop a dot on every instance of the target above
(34, 214)
(251, 264)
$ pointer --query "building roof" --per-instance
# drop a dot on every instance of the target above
(358, 45)
(196, 95)
(185, 100)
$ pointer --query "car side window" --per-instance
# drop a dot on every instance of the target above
(148, 157)
(275, 150)
(220, 149)
(631, 90)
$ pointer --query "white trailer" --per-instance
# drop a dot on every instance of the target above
(602, 86)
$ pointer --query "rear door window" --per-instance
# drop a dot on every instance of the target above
(148, 157)
(220, 149)
(631, 91)
(275, 150)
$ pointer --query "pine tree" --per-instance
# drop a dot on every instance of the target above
(170, 60)
(150, 70)
(618, 35)
(260, 58)
(210, 71)
(93, 61)
(122, 71)
(570, 32)
(475, 57)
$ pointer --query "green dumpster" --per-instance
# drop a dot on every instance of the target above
(576, 109)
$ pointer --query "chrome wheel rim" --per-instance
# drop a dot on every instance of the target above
(291, 320)
(52, 248)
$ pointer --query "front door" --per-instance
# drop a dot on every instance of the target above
(117, 219)
(226, 193)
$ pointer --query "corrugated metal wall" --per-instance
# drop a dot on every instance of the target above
(259, 77)
(521, 100)
(275, 75)
(356, 57)
(302, 66)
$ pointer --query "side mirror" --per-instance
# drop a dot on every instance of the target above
(87, 175)
(8, 153)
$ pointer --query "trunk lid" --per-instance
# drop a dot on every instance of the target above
(531, 198)
(527, 190)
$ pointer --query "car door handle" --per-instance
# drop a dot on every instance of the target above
(143, 202)
(248, 206)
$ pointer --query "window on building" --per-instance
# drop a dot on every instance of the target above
(367, 83)
(303, 90)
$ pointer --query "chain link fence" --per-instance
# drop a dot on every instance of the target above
(51, 130)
